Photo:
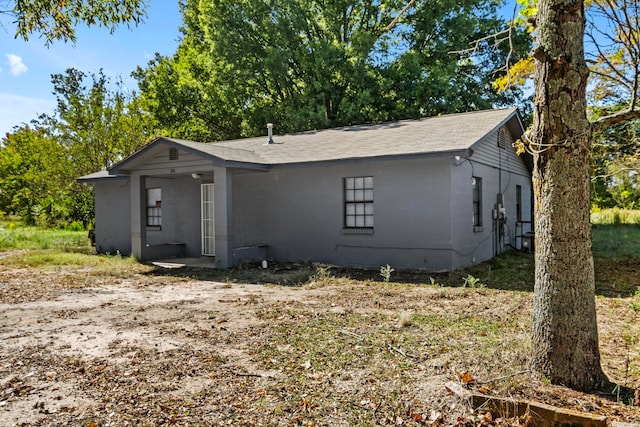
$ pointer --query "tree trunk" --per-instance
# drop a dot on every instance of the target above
(565, 334)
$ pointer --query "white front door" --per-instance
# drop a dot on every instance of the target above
(208, 224)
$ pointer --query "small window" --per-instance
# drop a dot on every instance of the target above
(518, 203)
(502, 139)
(476, 184)
(154, 207)
(173, 154)
(358, 202)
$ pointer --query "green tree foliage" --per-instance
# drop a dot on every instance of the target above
(616, 166)
(57, 19)
(34, 178)
(613, 53)
(95, 126)
(433, 80)
(318, 64)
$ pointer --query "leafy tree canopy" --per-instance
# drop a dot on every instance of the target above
(57, 19)
(96, 124)
(307, 65)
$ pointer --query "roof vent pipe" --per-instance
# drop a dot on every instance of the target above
(270, 133)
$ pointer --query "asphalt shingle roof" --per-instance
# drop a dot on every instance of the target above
(448, 134)
(452, 132)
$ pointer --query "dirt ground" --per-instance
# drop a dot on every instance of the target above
(156, 349)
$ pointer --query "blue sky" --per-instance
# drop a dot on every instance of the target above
(26, 67)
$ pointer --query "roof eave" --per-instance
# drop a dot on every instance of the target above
(464, 153)
(121, 167)
(89, 179)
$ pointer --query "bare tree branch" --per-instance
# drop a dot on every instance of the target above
(615, 118)
(402, 12)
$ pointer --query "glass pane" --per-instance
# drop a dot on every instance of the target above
(368, 182)
(351, 221)
(359, 221)
(359, 195)
(351, 209)
(359, 183)
(368, 194)
(368, 209)
(368, 221)
(154, 197)
(348, 183)
(349, 195)
(360, 209)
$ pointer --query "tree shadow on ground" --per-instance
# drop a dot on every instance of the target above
(618, 393)
(511, 271)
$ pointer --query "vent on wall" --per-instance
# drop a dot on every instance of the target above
(502, 139)
(173, 154)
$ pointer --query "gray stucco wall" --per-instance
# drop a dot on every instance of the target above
(113, 213)
(298, 213)
(501, 171)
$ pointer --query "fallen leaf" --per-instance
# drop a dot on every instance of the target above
(465, 377)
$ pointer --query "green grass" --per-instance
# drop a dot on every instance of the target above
(16, 236)
(84, 258)
(616, 241)
(53, 248)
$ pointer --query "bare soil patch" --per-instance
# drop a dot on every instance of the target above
(156, 348)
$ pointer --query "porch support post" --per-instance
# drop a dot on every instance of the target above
(138, 216)
(223, 213)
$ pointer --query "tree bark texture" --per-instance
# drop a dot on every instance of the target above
(565, 335)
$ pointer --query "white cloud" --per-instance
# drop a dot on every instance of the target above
(16, 65)
(16, 110)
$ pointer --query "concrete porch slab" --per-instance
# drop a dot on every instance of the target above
(202, 262)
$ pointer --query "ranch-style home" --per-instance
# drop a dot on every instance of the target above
(438, 193)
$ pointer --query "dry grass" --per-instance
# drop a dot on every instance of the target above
(340, 351)
(199, 347)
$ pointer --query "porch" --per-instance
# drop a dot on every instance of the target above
(176, 222)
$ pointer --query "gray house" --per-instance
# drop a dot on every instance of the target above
(438, 193)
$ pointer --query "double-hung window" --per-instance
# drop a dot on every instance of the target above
(358, 202)
(154, 207)
(476, 184)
